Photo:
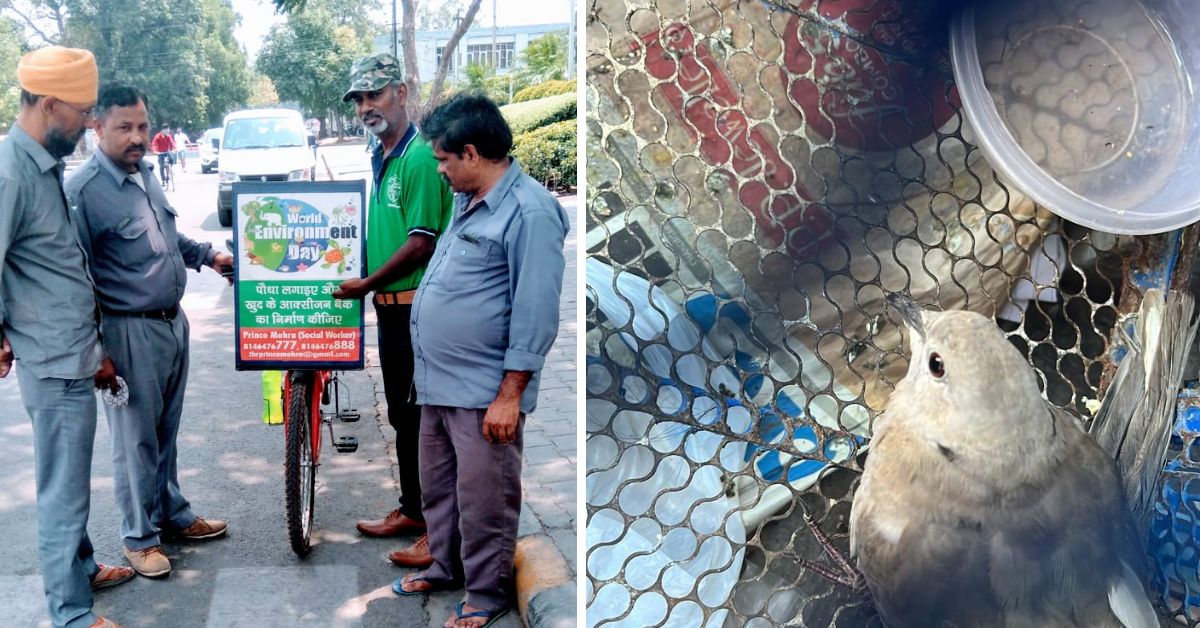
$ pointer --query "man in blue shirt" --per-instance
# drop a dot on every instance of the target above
(139, 262)
(483, 320)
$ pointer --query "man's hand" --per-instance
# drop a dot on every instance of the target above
(223, 263)
(500, 421)
(352, 289)
(503, 414)
(106, 377)
(6, 358)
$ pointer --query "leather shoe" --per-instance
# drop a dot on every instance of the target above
(394, 524)
(110, 576)
(151, 562)
(202, 529)
(416, 555)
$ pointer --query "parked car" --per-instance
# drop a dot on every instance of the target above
(262, 145)
(210, 149)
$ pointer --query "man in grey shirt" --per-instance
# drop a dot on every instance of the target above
(483, 320)
(139, 262)
(48, 320)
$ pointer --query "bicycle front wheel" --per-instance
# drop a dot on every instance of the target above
(300, 470)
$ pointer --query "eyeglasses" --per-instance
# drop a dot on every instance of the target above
(90, 112)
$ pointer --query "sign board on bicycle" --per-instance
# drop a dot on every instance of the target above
(295, 242)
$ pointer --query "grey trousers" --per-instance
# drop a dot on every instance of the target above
(64, 430)
(152, 356)
(471, 495)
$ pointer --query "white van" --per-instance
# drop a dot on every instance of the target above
(262, 145)
(210, 149)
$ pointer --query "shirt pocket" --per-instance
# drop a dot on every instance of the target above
(132, 243)
(467, 263)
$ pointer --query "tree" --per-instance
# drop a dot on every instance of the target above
(434, 16)
(180, 52)
(155, 45)
(46, 20)
(224, 61)
(262, 92)
(545, 58)
(476, 75)
(417, 106)
(482, 77)
(308, 58)
(10, 52)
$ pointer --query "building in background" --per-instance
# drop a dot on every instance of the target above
(500, 47)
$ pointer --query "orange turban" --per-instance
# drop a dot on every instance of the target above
(68, 74)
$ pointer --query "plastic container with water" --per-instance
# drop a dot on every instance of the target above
(1088, 106)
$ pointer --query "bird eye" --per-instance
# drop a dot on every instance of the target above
(936, 366)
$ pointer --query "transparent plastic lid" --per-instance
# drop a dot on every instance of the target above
(1087, 106)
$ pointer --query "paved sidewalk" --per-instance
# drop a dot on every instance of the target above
(231, 468)
(550, 460)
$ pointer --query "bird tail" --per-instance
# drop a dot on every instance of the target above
(1134, 421)
(1128, 601)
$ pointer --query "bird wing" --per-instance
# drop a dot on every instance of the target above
(1086, 505)
(1128, 601)
(1134, 422)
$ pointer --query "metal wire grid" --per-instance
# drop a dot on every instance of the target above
(759, 177)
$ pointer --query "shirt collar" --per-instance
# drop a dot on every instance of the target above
(401, 146)
(378, 161)
(40, 155)
(498, 191)
(108, 165)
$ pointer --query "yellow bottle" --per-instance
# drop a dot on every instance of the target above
(272, 387)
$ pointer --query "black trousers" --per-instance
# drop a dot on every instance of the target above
(396, 362)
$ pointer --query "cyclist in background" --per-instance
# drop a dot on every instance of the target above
(164, 145)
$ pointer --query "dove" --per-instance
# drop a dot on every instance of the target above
(982, 505)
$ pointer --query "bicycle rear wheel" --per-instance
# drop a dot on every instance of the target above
(300, 470)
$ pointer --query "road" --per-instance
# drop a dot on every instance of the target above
(230, 467)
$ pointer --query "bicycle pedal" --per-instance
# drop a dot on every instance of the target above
(346, 444)
(349, 416)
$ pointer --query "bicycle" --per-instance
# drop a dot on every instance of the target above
(164, 174)
(305, 391)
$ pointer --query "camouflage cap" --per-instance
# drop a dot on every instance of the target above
(373, 72)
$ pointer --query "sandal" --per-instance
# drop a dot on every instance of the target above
(398, 585)
(491, 616)
(110, 576)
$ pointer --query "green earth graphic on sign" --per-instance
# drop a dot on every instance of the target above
(289, 236)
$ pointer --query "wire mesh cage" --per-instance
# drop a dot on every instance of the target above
(760, 177)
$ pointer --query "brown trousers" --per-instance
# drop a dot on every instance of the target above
(471, 497)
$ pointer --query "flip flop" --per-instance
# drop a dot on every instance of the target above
(491, 616)
(398, 585)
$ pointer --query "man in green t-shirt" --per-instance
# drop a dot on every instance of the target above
(410, 206)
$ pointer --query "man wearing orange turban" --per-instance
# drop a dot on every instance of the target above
(48, 319)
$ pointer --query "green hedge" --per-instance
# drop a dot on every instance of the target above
(549, 154)
(524, 117)
(542, 90)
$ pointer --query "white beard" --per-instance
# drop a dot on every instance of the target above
(379, 129)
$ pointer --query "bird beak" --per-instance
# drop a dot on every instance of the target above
(910, 311)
